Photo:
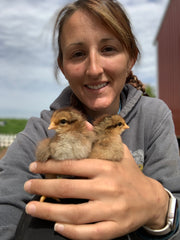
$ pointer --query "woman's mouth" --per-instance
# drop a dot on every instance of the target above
(97, 87)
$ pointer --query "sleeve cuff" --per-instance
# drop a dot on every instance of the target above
(144, 235)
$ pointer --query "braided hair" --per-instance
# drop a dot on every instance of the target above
(135, 82)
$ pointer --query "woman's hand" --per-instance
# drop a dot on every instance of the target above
(121, 198)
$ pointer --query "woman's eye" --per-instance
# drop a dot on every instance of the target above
(109, 50)
(78, 54)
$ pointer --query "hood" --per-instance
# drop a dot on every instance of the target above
(63, 100)
(129, 98)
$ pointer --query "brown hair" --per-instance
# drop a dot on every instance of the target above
(112, 15)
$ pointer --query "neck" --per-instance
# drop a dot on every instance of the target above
(93, 114)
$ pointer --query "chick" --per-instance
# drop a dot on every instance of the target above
(108, 144)
(73, 139)
(3, 152)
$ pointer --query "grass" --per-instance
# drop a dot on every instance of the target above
(12, 126)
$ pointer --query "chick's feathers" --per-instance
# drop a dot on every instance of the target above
(72, 140)
(108, 144)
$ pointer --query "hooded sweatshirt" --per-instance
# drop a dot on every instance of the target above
(150, 138)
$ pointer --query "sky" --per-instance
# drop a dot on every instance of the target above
(27, 81)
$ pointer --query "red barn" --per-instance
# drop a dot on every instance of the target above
(168, 49)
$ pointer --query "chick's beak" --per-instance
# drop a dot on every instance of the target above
(126, 126)
(52, 126)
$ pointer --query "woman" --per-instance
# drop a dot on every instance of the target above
(96, 52)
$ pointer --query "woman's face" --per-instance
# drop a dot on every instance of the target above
(94, 62)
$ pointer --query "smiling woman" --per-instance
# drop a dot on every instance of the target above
(97, 51)
(130, 198)
(96, 68)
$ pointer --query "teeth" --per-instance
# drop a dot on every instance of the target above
(97, 86)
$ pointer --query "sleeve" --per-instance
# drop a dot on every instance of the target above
(162, 161)
(14, 171)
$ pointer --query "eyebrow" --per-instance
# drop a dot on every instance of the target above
(75, 44)
(108, 39)
(81, 43)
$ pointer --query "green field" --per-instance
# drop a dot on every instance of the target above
(12, 126)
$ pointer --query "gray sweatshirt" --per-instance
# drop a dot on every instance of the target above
(151, 140)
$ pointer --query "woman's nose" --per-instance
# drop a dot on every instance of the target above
(94, 66)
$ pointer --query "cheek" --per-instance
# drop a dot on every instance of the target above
(118, 65)
(118, 72)
(72, 72)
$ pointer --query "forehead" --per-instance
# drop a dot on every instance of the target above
(82, 23)
(82, 17)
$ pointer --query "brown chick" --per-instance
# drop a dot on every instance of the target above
(108, 144)
(72, 140)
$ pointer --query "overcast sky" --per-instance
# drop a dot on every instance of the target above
(27, 82)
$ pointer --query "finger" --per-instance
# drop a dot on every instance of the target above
(69, 213)
(62, 188)
(89, 126)
(101, 230)
(91, 189)
(88, 168)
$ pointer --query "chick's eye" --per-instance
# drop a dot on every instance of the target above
(63, 121)
(119, 124)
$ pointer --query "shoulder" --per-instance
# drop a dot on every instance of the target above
(134, 104)
(36, 128)
(154, 107)
(154, 101)
(155, 116)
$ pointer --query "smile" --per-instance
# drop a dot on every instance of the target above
(96, 87)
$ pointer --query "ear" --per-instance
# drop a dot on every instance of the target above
(131, 63)
(60, 64)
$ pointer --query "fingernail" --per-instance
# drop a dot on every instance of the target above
(58, 227)
(32, 167)
(30, 209)
(27, 186)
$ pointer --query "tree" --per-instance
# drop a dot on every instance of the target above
(150, 90)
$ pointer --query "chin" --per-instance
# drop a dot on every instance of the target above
(99, 107)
